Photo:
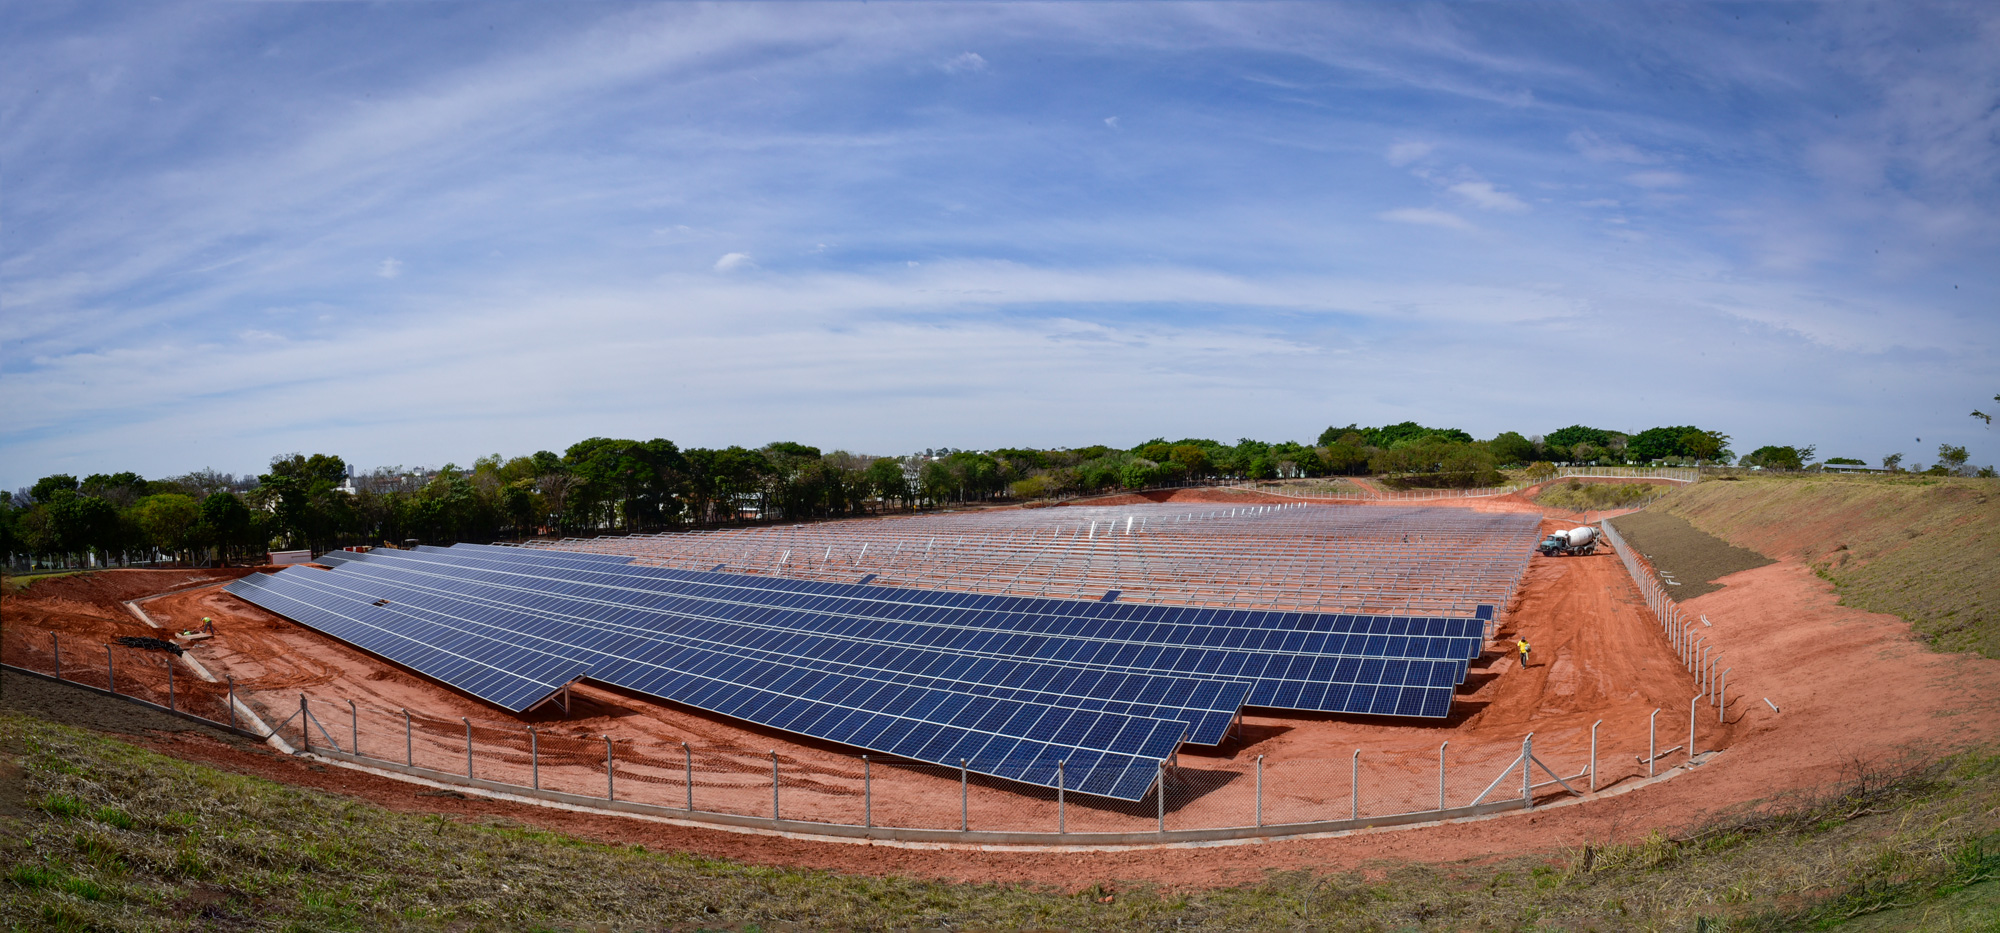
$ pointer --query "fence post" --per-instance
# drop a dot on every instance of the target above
(409, 754)
(354, 727)
(774, 783)
(1527, 773)
(687, 756)
(1652, 742)
(1593, 754)
(610, 772)
(305, 725)
(232, 699)
(1354, 786)
(170, 683)
(867, 794)
(1721, 696)
(468, 747)
(55, 644)
(1260, 790)
(1061, 815)
(1160, 795)
(534, 756)
(962, 822)
(110, 670)
(1441, 749)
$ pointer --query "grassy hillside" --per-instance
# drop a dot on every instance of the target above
(96, 834)
(1924, 548)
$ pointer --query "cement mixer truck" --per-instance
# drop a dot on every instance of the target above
(1574, 542)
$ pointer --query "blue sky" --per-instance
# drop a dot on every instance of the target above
(417, 233)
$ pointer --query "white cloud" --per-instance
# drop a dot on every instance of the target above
(962, 63)
(1661, 179)
(1402, 154)
(1111, 122)
(730, 262)
(1483, 195)
(390, 268)
(1426, 216)
(1598, 149)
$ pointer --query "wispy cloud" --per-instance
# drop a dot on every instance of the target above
(1483, 195)
(581, 191)
(1404, 153)
(1657, 179)
(1425, 216)
(962, 63)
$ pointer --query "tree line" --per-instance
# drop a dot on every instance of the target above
(609, 485)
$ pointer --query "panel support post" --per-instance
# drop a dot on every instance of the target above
(1694, 704)
(468, 746)
(1593, 754)
(963, 823)
(867, 794)
(1354, 786)
(1061, 815)
(1652, 740)
(1527, 774)
(1722, 695)
(534, 756)
(1441, 749)
(774, 783)
(1260, 791)
(687, 759)
(409, 749)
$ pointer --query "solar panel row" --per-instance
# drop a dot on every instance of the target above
(1207, 705)
(1106, 753)
(1408, 676)
(1011, 684)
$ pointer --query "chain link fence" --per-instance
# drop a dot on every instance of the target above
(1217, 794)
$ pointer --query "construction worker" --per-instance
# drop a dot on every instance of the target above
(208, 625)
(1523, 645)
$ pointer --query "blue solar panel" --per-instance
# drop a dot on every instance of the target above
(1108, 753)
(1208, 705)
(1058, 633)
(490, 668)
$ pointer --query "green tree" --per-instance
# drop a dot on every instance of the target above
(47, 486)
(1659, 443)
(303, 493)
(226, 523)
(170, 522)
(1893, 463)
(1511, 448)
(1953, 459)
(1772, 457)
(885, 479)
(1704, 445)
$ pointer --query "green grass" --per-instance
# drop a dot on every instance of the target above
(1582, 496)
(112, 837)
(1924, 548)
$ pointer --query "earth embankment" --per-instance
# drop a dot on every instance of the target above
(1923, 548)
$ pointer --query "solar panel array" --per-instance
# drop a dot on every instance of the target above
(1011, 685)
(1379, 559)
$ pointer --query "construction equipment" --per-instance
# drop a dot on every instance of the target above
(1572, 543)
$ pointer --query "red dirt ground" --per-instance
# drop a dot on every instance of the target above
(1597, 654)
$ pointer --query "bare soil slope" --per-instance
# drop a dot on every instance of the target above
(1924, 548)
